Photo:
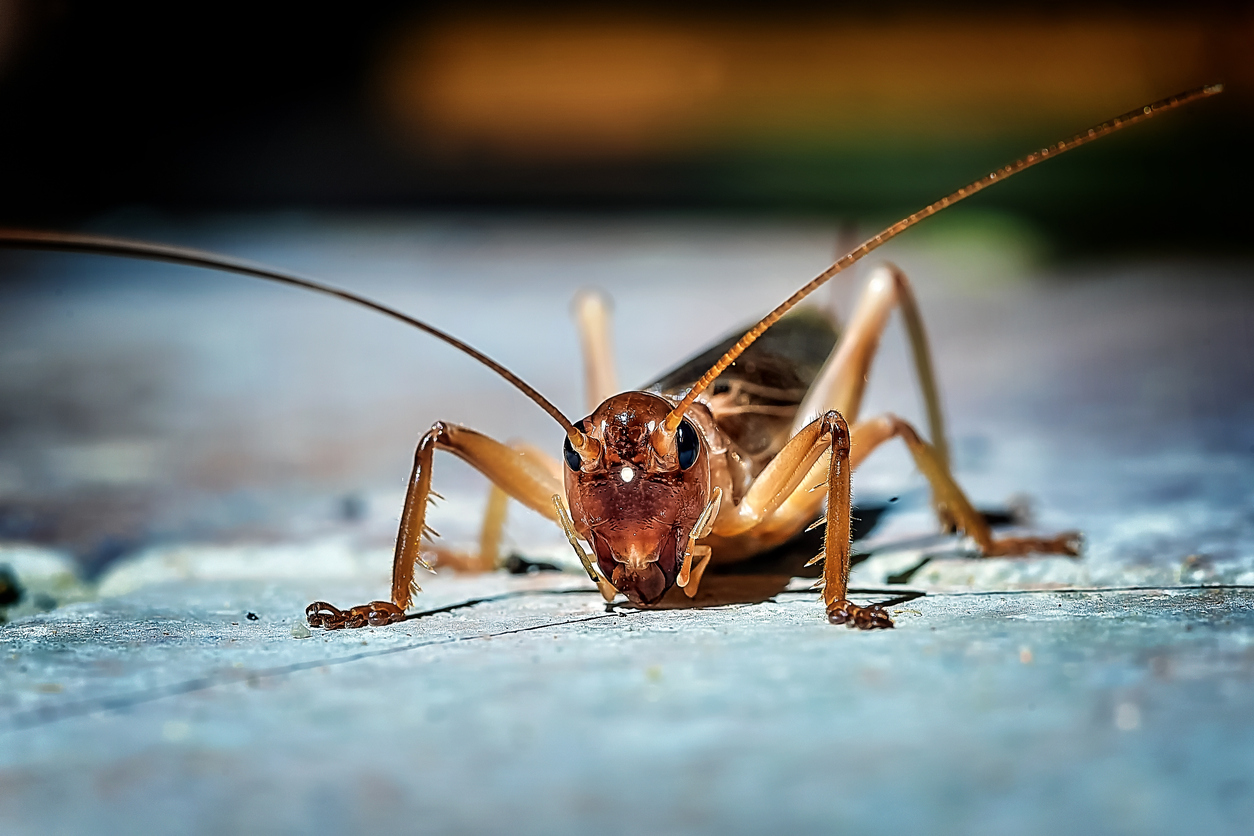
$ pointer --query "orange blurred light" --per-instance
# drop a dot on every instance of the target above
(603, 89)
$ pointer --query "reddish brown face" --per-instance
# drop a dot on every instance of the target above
(633, 502)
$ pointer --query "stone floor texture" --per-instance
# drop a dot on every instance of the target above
(169, 711)
(184, 467)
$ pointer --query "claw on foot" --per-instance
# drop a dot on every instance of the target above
(863, 618)
(376, 614)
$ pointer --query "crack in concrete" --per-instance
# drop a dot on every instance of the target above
(1090, 589)
(50, 714)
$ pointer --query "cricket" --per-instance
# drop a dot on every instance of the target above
(730, 454)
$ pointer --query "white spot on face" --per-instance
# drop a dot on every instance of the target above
(627, 474)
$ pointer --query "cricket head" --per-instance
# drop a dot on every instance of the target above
(636, 491)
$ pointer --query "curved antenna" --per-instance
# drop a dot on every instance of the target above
(1129, 118)
(127, 248)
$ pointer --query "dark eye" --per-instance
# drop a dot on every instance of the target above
(573, 461)
(687, 444)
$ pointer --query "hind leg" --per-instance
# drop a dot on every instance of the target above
(842, 383)
(948, 497)
(591, 311)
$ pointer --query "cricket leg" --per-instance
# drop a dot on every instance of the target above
(836, 542)
(780, 478)
(696, 558)
(491, 532)
(488, 556)
(842, 383)
(805, 502)
(787, 476)
(516, 472)
(693, 570)
(948, 497)
(591, 310)
(842, 380)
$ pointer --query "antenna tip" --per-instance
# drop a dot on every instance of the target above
(1212, 89)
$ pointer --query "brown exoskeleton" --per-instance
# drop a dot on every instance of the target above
(717, 461)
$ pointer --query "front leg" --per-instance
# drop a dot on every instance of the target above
(330, 617)
(783, 488)
(521, 473)
(837, 536)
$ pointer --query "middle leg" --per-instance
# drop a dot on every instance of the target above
(492, 530)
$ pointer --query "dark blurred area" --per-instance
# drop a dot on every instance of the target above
(840, 110)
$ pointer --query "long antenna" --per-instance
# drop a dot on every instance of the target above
(127, 248)
(1129, 118)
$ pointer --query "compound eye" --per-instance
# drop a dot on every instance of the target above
(687, 444)
(573, 459)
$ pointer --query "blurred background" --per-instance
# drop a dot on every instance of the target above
(239, 448)
(475, 163)
(836, 109)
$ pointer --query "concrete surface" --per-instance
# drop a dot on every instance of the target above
(178, 456)
(169, 711)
